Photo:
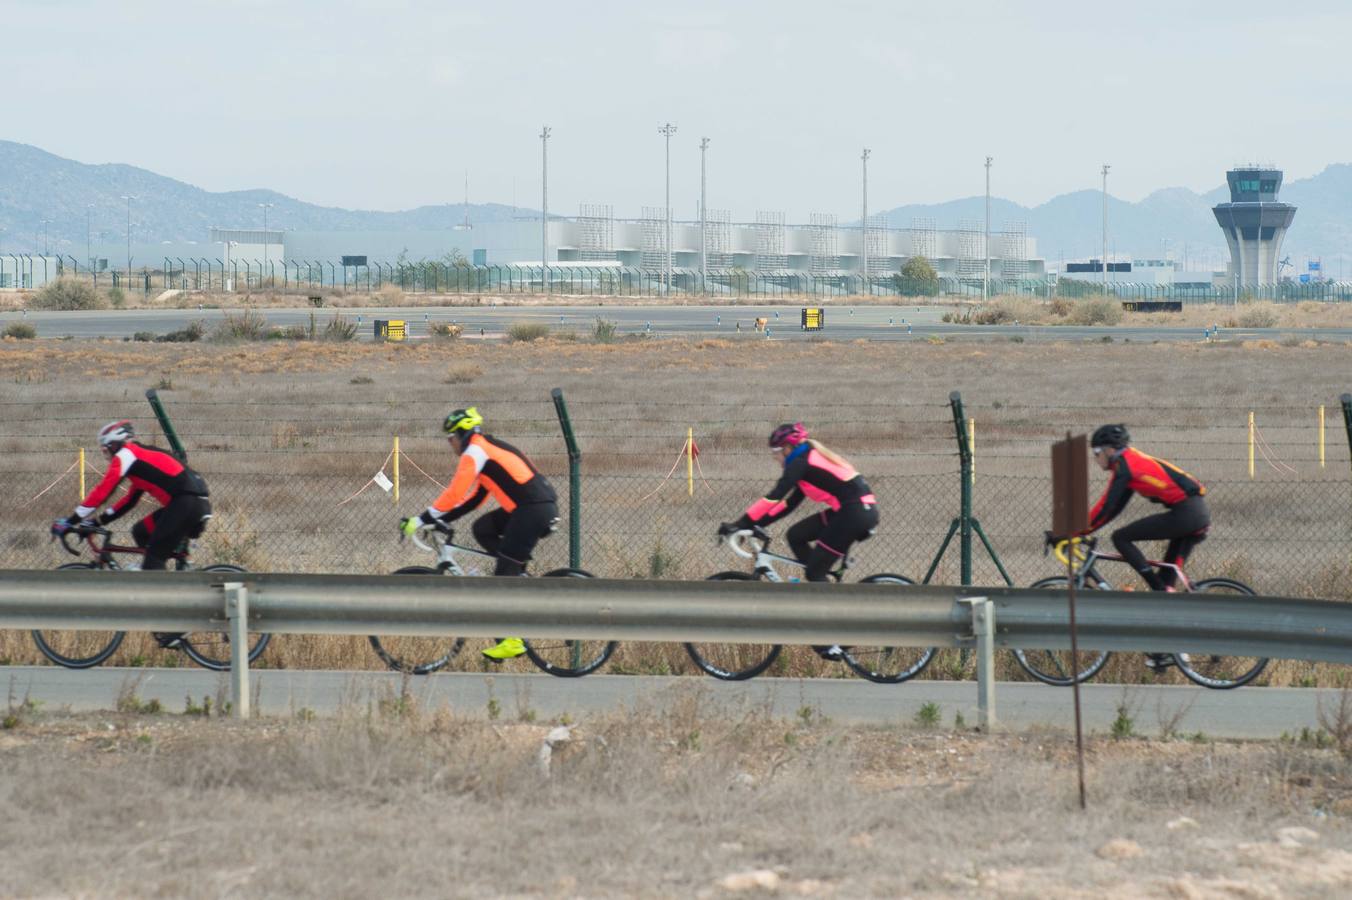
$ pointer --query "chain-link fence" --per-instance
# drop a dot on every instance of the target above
(296, 487)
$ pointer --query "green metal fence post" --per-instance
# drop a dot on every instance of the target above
(965, 461)
(169, 434)
(1346, 400)
(574, 480)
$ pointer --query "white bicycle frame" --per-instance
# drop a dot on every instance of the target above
(444, 550)
(765, 560)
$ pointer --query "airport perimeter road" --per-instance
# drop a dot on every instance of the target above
(1244, 713)
(843, 323)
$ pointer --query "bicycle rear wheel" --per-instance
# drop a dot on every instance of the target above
(568, 658)
(1220, 672)
(733, 662)
(415, 655)
(211, 649)
(1059, 667)
(887, 665)
(77, 649)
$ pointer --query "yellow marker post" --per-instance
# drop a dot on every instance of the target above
(82, 468)
(396, 469)
(690, 461)
(1321, 435)
(1250, 444)
(971, 445)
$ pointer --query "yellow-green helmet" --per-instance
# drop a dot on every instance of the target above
(463, 421)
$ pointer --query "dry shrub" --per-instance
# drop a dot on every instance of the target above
(1099, 311)
(527, 331)
(248, 325)
(1258, 315)
(447, 331)
(390, 295)
(462, 373)
(66, 294)
(1061, 307)
(21, 331)
(1008, 310)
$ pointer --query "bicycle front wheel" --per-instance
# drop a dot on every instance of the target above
(415, 655)
(568, 658)
(211, 649)
(77, 649)
(1061, 668)
(1220, 672)
(733, 662)
(888, 665)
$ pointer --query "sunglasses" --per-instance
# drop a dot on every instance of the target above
(1098, 451)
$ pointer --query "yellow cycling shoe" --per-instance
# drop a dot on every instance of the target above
(507, 648)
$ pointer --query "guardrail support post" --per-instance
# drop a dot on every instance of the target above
(237, 611)
(983, 628)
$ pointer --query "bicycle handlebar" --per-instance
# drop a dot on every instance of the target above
(737, 541)
(445, 530)
(1080, 546)
(84, 533)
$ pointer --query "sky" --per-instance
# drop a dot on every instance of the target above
(386, 104)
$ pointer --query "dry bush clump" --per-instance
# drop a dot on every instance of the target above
(525, 332)
(389, 295)
(1257, 315)
(20, 331)
(247, 325)
(1096, 311)
(67, 293)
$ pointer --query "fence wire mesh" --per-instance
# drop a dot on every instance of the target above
(294, 487)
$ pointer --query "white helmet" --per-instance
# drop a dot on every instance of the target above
(115, 434)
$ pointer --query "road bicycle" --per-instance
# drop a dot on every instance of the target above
(737, 662)
(422, 655)
(1209, 670)
(86, 649)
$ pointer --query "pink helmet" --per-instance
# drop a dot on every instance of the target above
(788, 435)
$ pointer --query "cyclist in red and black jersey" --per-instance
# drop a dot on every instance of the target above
(1183, 525)
(181, 492)
(814, 472)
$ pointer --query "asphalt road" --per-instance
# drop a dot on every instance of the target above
(843, 323)
(1245, 713)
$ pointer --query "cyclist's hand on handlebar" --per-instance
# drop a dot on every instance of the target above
(61, 526)
(727, 528)
(408, 525)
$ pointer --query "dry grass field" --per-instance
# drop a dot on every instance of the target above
(397, 801)
(289, 436)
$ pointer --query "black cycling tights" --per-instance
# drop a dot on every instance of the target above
(1180, 526)
(834, 532)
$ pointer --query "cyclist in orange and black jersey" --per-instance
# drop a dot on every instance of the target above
(1183, 525)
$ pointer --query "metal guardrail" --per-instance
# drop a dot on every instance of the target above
(627, 610)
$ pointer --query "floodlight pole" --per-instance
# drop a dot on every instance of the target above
(667, 131)
(986, 280)
(703, 218)
(1106, 167)
(544, 208)
(863, 229)
(128, 198)
(265, 207)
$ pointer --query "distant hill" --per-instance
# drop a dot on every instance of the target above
(36, 185)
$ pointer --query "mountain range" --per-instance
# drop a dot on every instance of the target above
(36, 185)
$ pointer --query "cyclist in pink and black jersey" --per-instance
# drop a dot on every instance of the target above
(814, 472)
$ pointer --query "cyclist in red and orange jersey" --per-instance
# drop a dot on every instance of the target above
(814, 472)
(489, 467)
(180, 491)
(1183, 525)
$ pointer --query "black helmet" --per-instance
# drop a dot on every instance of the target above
(1114, 436)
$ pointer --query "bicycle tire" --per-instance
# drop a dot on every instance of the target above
(565, 658)
(403, 653)
(1220, 673)
(1054, 667)
(77, 649)
(211, 649)
(888, 665)
(733, 662)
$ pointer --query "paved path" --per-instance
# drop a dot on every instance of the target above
(892, 323)
(1245, 713)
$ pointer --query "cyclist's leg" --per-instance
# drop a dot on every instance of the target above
(802, 533)
(1191, 517)
(488, 529)
(1151, 528)
(524, 528)
(843, 527)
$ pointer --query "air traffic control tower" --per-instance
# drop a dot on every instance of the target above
(1254, 223)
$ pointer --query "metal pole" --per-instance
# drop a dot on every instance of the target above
(89, 244)
(574, 480)
(1346, 401)
(986, 280)
(237, 612)
(667, 131)
(265, 207)
(544, 208)
(703, 219)
(983, 629)
(128, 198)
(863, 229)
(965, 489)
(1105, 228)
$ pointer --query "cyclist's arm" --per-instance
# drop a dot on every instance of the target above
(120, 508)
(461, 490)
(1114, 498)
(432, 515)
(783, 498)
(103, 490)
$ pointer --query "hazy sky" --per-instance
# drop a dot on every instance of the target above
(384, 104)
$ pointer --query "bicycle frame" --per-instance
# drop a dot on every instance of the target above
(1088, 557)
(765, 560)
(104, 553)
(445, 549)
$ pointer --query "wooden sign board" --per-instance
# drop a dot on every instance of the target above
(1070, 486)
